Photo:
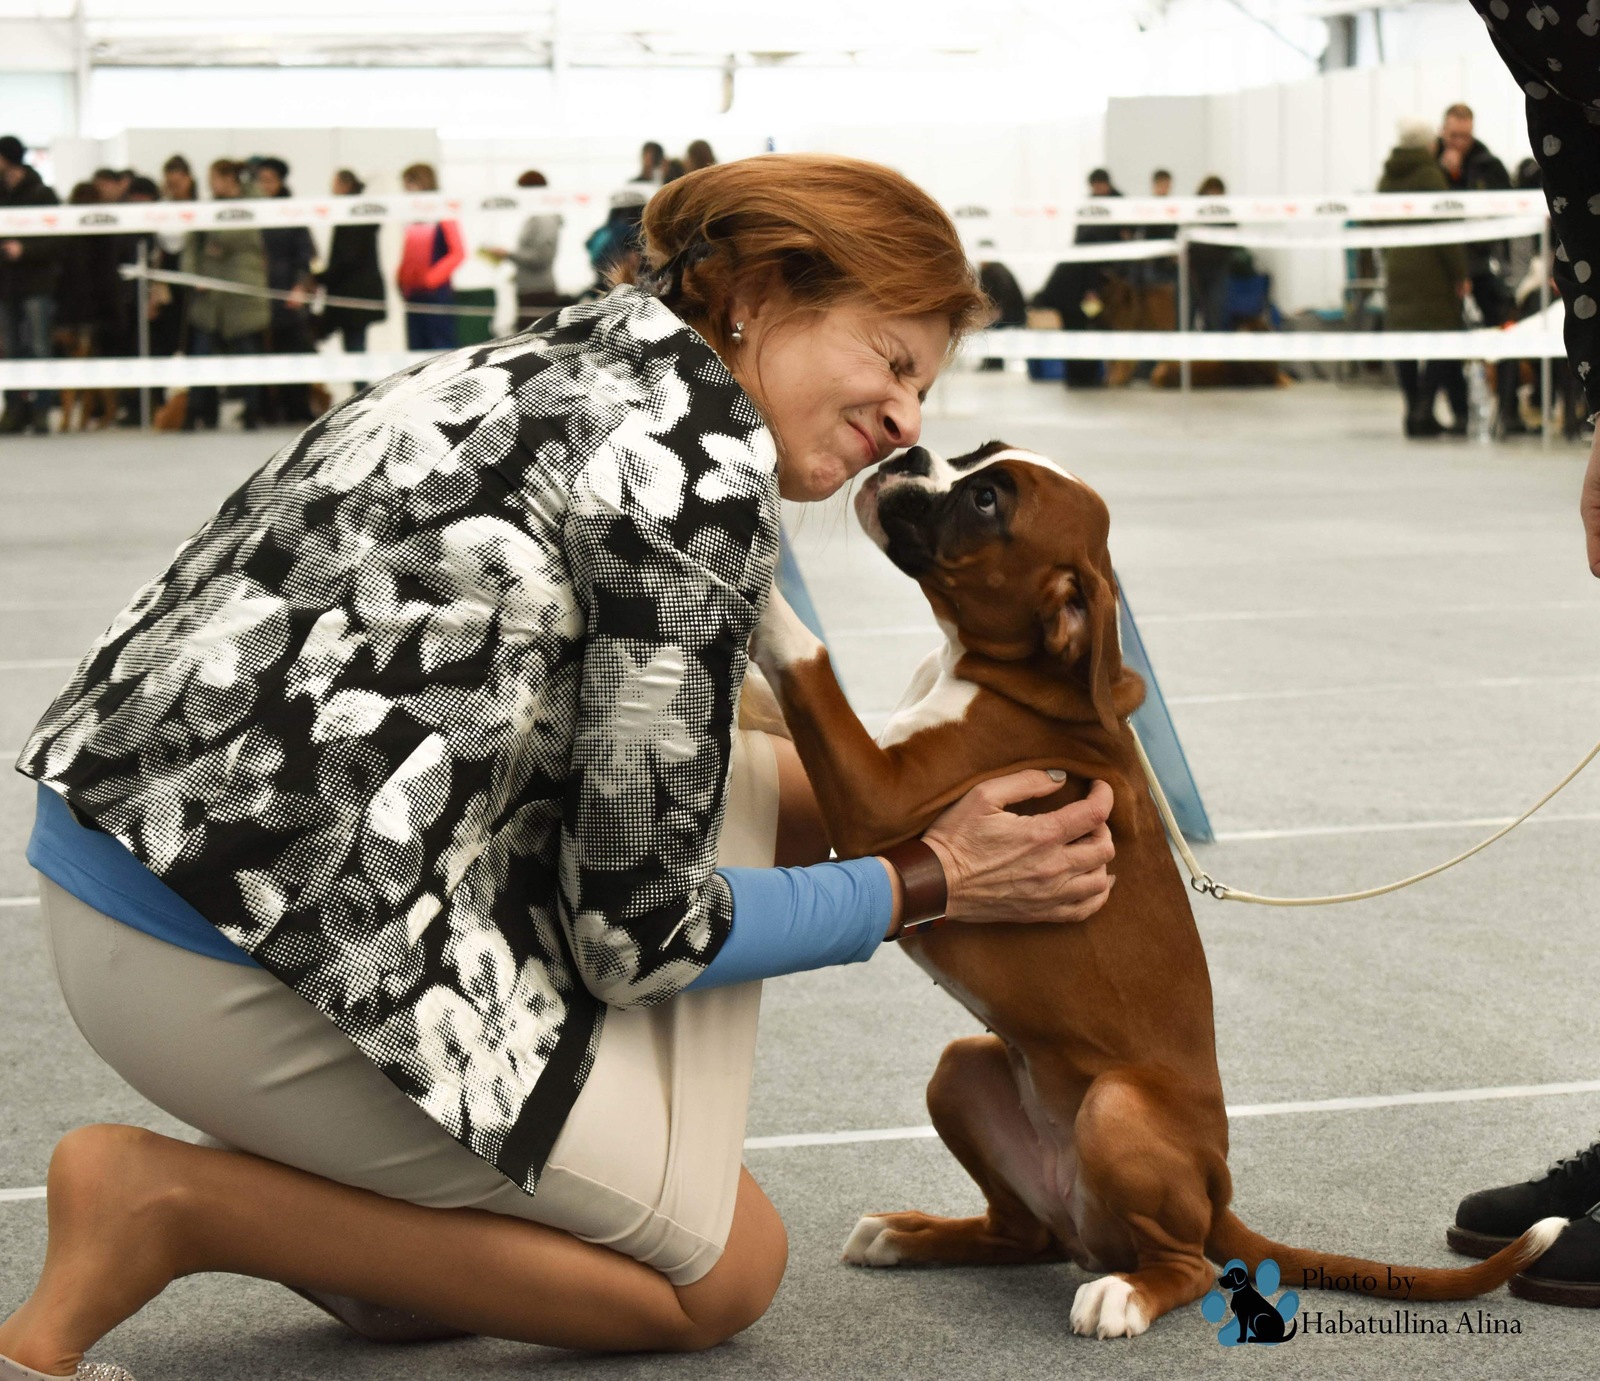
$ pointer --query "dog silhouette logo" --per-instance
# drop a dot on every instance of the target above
(1256, 1317)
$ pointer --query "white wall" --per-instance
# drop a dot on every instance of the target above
(1329, 133)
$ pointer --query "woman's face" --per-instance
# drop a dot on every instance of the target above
(841, 389)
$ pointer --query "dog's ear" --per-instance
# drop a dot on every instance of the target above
(1063, 617)
(1078, 612)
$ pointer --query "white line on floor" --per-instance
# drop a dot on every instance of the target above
(1580, 678)
(1377, 688)
(1383, 611)
(871, 1134)
(1385, 1100)
(900, 630)
(41, 664)
(1404, 827)
(43, 606)
(19, 901)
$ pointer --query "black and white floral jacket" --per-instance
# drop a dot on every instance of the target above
(433, 717)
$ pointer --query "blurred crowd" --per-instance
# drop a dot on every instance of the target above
(269, 289)
(1444, 287)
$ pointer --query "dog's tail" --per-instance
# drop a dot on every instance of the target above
(1304, 1269)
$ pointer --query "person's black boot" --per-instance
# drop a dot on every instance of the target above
(1492, 1218)
(1569, 1273)
(1420, 424)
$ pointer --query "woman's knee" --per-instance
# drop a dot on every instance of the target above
(106, 1166)
(740, 1287)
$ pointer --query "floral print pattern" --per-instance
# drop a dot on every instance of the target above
(433, 716)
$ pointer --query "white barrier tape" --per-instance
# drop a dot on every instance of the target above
(315, 300)
(266, 213)
(1329, 347)
(1078, 254)
(202, 371)
(1378, 237)
(1312, 346)
(1372, 206)
(269, 212)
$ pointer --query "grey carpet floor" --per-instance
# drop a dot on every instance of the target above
(1369, 647)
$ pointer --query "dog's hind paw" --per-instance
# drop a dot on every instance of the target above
(1107, 1308)
(867, 1244)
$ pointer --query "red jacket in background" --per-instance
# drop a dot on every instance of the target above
(432, 253)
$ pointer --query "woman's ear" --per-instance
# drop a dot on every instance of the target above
(751, 299)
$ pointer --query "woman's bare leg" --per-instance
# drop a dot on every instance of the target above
(131, 1211)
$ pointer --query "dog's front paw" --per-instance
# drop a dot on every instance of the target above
(781, 639)
(868, 1244)
(1107, 1308)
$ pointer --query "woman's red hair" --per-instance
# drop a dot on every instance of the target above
(830, 230)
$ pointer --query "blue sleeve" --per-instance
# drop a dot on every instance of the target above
(787, 920)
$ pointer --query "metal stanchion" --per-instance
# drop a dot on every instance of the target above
(144, 329)
(1183, 303)
(1546, 373)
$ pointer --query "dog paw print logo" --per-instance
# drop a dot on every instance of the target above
(1256, 1317)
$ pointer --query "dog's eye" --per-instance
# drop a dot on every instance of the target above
(984, 499)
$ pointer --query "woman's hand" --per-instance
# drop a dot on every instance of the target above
(1004, 867)
(1589, 505)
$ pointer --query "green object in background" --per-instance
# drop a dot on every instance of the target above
(474, 330)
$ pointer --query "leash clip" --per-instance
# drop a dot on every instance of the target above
(1208, 886)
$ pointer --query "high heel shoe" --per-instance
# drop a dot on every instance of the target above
(87, 1371)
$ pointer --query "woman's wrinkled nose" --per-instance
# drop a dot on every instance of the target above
(901, 421)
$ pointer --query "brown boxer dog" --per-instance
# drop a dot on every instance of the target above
(1092, 1115)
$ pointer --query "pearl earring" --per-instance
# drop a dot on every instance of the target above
(738, 333)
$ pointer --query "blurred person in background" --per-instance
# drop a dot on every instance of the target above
(1468, 166)
(112, 184)
(354, 270)
(1424, 285)
(534, 258)
(1156, 279)
(1076, 290)
(290, 251)
(169, 303)
(672, 170)
(697, 156)
(614, 248)
(221, 322)
(1525, 272)
(433, 251)
(88, 300)
(122, 332)
(28, 276)
(1000, 286)
(177, 180)
(651, 158)
(1210, 267)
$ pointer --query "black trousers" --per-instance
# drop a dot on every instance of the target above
(1421, 385)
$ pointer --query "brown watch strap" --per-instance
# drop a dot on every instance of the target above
(924, 891)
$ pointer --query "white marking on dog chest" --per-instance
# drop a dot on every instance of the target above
(935, 696)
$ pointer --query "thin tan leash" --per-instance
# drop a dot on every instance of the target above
(1202, 881)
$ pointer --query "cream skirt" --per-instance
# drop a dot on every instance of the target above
(647, 1163)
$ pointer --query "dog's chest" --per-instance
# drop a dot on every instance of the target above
(936, 695)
